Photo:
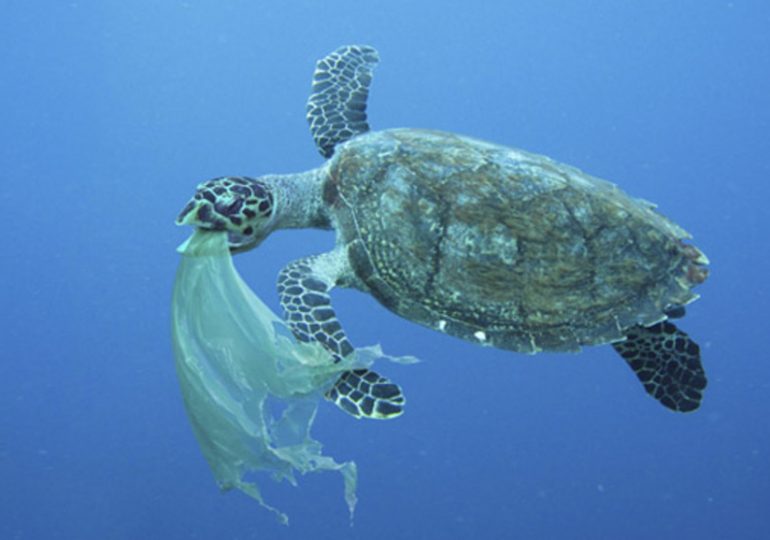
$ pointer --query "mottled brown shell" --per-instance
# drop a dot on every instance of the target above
(501, 246)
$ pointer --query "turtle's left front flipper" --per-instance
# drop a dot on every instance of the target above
(667, 362)
(304, 287)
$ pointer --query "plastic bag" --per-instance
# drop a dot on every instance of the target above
(250, 389)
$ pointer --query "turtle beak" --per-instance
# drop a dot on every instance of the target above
(187, 214)
(239, 243)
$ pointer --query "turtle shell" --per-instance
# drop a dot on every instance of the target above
(501, 246)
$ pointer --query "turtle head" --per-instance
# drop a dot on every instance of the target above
(241, 206)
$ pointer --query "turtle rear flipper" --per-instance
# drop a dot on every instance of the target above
(365, 394)
(667, 363)
(336, 109)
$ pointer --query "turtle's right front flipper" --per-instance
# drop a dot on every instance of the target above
(304, 287)
(336, 109)
(667, 362)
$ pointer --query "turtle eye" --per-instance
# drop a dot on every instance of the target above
(266, 206)
(232, 208)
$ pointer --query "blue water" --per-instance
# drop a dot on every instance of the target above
(112, 111)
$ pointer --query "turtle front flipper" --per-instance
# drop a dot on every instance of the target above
(336, 108)
(667, 363)
(304, 287)
(365, 394)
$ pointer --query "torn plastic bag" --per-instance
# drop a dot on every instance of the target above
(250, 389)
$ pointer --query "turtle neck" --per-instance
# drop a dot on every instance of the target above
(298, 199)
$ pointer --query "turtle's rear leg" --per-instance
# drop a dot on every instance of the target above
(304, 287)
(667, 363)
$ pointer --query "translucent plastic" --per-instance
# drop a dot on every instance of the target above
(250, 389)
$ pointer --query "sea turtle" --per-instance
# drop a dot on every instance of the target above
(490, 244)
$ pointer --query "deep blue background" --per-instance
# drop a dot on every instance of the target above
(112, 111)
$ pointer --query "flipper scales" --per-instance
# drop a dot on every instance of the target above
(304, 287)
(336, 108)
(365, 394)
(667, 362)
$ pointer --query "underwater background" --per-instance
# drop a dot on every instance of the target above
(113, 111)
